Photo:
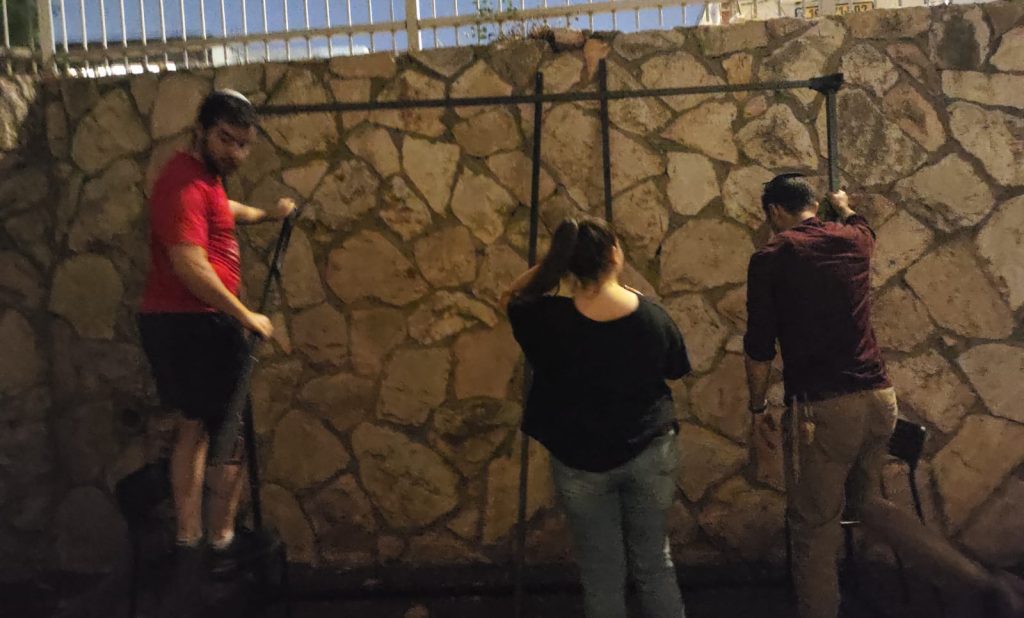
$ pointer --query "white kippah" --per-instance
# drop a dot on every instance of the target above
(232, 93)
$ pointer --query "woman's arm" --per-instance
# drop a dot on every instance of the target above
(517, 286)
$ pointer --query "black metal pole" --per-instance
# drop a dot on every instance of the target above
(226, 441)
(253, 465)
(524, 448)
(832, 136)
(606, 149)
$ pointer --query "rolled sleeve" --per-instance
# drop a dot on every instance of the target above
(861, 224)
(759, 340)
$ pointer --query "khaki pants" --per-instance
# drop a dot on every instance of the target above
(845, 452)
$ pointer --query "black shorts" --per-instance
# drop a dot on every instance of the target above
(197, 360)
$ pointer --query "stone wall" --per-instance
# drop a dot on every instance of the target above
(387, 404)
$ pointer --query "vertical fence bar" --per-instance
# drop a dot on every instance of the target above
(266, 32)
(103, 33)
(606, 151)
(433, 8)
(245, 31)
(348, 18)
(184, 32)
(524, 450)
(7, 24)
(287, 29)
(456, 4)
(142, 29)
(202, 19)
(369, 14)
(163, 32)
(224, 30)
(47, 48)
(64, 30)
(391, 18)
(412, 25)
(330, 39)
(309, 42)
(85, 32)
(124, 39)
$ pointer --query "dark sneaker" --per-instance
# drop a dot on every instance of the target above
(246, 548)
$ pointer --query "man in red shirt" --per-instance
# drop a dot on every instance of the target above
(809, 289)
(191, 320)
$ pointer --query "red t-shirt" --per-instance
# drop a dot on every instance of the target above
(188, 207)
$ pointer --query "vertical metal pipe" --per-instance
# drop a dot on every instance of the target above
(524, 451)
(832, 136)
(606, 151)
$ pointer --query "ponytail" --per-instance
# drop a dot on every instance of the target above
(555, 264)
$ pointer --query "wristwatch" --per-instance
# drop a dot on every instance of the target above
(759, 409)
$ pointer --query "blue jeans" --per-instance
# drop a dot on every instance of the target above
(618, 518)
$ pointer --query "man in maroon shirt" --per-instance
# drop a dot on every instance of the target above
(191, 320)
(809, 289)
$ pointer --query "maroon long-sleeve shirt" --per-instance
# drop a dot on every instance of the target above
(810, 289)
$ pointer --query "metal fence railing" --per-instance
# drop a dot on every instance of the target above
(93, 38)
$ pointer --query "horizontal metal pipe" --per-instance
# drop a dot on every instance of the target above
(820, 84)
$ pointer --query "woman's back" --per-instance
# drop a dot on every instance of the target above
(598, 394)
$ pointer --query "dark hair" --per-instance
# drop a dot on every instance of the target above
(789, 191)
(581, 247)
(227, 106)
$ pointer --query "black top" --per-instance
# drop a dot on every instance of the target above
(598, 395)
(810, 289)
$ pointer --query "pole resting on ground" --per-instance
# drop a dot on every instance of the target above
(524, 450)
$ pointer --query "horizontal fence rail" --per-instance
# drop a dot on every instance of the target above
(95, 38)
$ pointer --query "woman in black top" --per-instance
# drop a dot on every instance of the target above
(599, 403)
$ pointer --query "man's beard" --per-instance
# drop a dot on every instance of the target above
(211, 162)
